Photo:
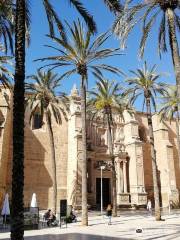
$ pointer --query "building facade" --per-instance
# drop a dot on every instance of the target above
(132, 158)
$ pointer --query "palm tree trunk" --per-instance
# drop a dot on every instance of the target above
(17, 210)
(154, 163)
(174, 47)
(84, 161)
(178, 137)
(54, 178)
(114, 192)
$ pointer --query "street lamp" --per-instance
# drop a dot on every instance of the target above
(102, 168)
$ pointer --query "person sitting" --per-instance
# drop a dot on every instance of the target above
(50, 218)
(73, 216)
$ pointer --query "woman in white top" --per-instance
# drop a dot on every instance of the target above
(149, 207)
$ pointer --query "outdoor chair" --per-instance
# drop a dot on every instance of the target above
(1, 222)
(42, 221)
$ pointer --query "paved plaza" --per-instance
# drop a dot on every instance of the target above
(123, 227)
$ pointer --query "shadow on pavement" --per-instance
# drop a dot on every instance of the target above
(72, 236)
(153, 233)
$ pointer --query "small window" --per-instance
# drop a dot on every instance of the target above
(37, 121)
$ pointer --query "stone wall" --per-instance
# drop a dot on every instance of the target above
(5, 142)
(67, 136)
(37, 164)
(167, 159)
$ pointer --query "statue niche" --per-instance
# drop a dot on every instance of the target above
(100, 138)
(119, 141)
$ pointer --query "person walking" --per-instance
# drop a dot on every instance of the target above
(149, 206)
(109, 213)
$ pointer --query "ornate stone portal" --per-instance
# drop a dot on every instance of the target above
(122, 169)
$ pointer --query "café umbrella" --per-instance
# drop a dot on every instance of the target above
(33, 205)
(5, 210)
(33, 201)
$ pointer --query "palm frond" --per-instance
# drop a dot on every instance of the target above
(114, 6)
(42, 95)
(53, 19)
(110, 68)
(135, 12)
(162, 36)
(177, 21)
(85, 14)
(145, 83)
(146, 30)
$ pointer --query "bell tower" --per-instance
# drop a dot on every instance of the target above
(74, 149)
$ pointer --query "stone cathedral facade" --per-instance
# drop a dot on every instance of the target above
(132, 157)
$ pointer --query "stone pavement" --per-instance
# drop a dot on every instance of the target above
(123, 228)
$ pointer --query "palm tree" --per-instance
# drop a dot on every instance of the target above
(42, 97)
(7, 23)
(105, 100)
(169, 110)
(148, 11)
(145, 83)
(17, 216)
(82, 56)
(21, 16)
(113, 5)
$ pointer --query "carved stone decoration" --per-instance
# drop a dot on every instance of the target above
(124, 198)
(78, 108)
(119, 145)
(100, 138)
(120, 135)
(134, 130)
(139, 161)
(138, 150)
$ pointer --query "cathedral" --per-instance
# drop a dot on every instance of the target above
(131, 149)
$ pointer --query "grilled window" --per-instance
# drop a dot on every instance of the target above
(37, 121)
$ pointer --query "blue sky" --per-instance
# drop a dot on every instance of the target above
(104, 20)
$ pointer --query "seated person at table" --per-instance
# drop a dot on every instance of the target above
(73, 216)
(50, 217)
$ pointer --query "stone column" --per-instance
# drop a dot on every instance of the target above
(135, 153)
(166, 161)
(118, 177)
(124, 176)
(74, 149)
(121, 180)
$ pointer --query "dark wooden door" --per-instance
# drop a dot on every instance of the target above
(106, 191)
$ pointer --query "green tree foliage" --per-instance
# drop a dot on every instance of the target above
(144, 82)
(149, 12)
(80, 54)
(42, 98)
